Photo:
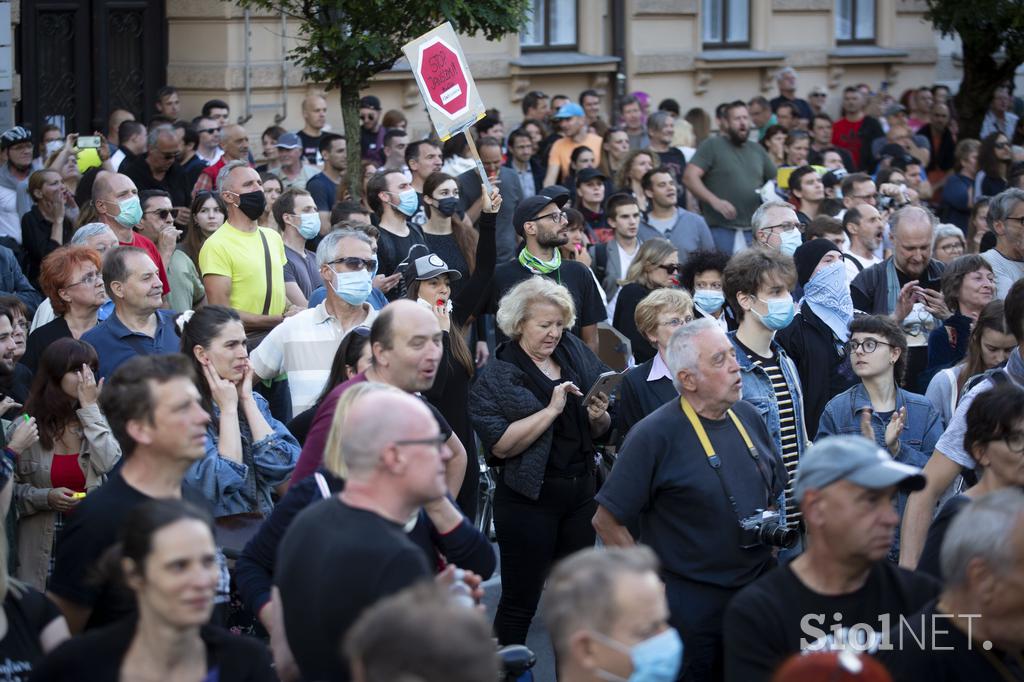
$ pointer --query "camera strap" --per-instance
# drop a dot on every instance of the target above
(714, 460)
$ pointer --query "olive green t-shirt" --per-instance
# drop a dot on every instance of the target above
(735, 174)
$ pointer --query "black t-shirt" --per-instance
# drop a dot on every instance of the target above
(368, 144)
(573, 275)
(87, 535)
(946, 654)
(41, 338)
(392, 249)
(778, 615)
(27, 616)
(663, 478)
(625, 320)
(333, 563)
(929, 561)
(310, 146)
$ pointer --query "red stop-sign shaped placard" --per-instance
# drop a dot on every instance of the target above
(443, 75)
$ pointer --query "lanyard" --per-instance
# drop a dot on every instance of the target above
(714, 460)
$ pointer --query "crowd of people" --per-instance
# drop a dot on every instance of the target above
(738, 396)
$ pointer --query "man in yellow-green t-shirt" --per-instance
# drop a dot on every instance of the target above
(233, 259)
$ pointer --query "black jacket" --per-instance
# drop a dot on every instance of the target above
(96, 656)
(500, 397)
(638, 397)
(821, 361)
(36, 242)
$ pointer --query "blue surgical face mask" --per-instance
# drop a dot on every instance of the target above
(309, 225)
(408, 201)
(780, 312)
(709, 300)
(131, 212)
(353, 287)
(656, 659)
(791, 241)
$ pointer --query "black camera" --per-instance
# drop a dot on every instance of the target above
(763, 528)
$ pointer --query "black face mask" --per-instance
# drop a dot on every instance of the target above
(447, 206)
(252, 204)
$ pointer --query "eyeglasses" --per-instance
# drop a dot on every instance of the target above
(672, 268)
(781, 227)
(819, 94)
(164, 213)
(954, 247)
(352, 263)
(867, 345)
(169, 156)
(1019, 219)
(675, 322)
(437, 441)
(1015, 442)
(208, 131)
(367, 118)
(1002, 145)
(90, 278)
(557, 216)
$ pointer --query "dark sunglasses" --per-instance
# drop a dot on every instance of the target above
(208, 131)
(164, 213)
(354, 263)
(1002, 145)
(671, 269)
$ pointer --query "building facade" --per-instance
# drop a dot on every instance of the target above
(83, 57)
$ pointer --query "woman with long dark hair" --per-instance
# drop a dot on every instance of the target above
(445, 233)
(428, 281)
(995, 156)
(249, 454)
(208, 213)
(168, 559)
(989, 346)
(75, 452)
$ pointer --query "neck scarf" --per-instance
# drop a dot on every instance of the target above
(538, 266)
(828, 297)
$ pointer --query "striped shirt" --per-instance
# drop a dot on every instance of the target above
(787, 424)
(303, 346)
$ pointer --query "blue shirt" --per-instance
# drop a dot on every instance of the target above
(322, 190)
(115, 344)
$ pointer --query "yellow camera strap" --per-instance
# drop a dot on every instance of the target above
(702, 434)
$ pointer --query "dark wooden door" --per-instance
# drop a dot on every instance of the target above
(81, 59)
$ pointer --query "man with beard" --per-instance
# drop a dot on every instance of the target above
(725, 174)
(542, 224)
(369, 127)
(906, 286)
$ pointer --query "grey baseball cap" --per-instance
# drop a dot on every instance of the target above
(854, 459)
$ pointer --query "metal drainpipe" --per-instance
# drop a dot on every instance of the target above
(619, 44)
(284, 71)
(248, 70)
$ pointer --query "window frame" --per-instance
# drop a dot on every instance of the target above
(854, 40)
(726, 44)
(545, 45)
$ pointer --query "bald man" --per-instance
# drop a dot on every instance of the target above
(406, 343)
(314, 113)
(352, 546)
(235, 141)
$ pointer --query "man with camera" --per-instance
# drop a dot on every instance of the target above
(700, 477)
(841, 592)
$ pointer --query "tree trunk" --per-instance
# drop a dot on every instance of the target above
(353, 129)
(982, 75)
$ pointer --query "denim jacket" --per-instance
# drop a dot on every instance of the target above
(921, 430)
(234, 488)
(758, 391)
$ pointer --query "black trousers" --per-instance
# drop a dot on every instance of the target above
(533, 535)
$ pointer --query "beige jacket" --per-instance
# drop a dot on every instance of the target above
(36, 524)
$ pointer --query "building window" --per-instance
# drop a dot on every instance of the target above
(551, 25)
(725, 23)
(855, 21)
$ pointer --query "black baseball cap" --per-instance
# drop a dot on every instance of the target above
(369, 102)
(529, 209)
(588, 174)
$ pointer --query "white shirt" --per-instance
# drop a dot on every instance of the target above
(1006, 271)
(851, 268)
(303, 346)
(626, 259)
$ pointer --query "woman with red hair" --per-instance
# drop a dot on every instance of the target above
(71, 277)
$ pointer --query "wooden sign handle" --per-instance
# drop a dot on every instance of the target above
(479, 164)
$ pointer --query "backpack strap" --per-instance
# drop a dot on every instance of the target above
(856, 263)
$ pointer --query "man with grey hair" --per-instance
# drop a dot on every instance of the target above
(786, 80)
(691, 474)
(601, 603)
(158, 169)
(907, 287)
(344, 553)
(303, 346)
(776, 226)
(975, 629)
(1006, 216)
(838, 592)
(235, 141)
(242, 263)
